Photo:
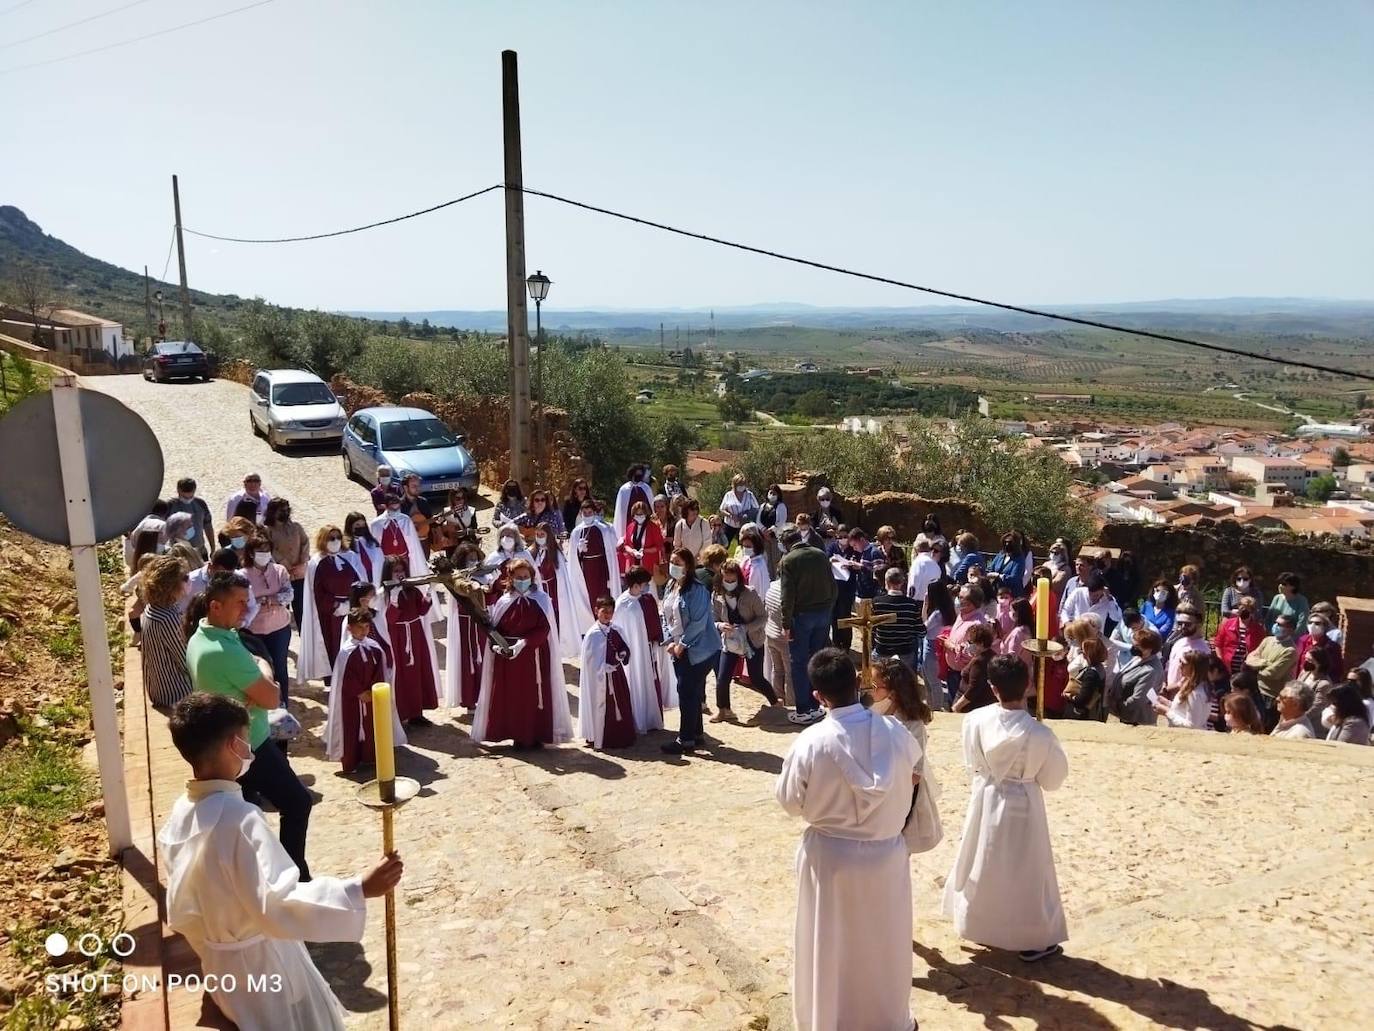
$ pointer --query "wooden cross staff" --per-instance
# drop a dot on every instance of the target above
(864, 621)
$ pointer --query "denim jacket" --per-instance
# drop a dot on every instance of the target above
(693, 623)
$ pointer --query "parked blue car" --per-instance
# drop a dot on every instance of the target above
(410, 440)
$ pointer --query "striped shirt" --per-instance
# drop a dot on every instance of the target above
(165, 677)
(901, 636)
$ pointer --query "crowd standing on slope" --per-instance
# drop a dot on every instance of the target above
(651, 598)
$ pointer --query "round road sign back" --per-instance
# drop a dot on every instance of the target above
(123, 459)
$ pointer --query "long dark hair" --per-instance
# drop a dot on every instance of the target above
(1022, 612)
(352, 520)
(938, 596)
(1346, 700)
(273, 511)
(907, 693)
(685, 558)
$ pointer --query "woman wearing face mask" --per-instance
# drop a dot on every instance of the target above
(578, 492)
(753, 561)
(592, 567)
(691, 532)
(1159, 609)
(931, 532)
(510, 545)
(396, 534)
(1012, 564)
(695, 646)
(406, 612)
(1316, 640)
(738, 506)
(329, 576)
(653, 685)
(772, 515)
(459, 518)
(1314, 673)
(522, 698)
(635, 489)
(1187, 587)
(551, 570)
(364, 595)
(359, 541)
(642, 543)
(510, 506)
(290, 548)
(740, 615)
(180, 531)
(466, 639)
(1242, 586)
(1348, 721)
(1289, 601)
(828, 514)
(270, 585)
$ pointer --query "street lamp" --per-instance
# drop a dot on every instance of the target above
(161, 321)
(538, 285)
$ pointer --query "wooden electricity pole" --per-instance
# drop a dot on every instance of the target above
(181, 264)
(147, 304)
(517, 315)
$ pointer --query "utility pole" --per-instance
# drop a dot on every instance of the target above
(181, 263)
(660, 339)
(517, 315)
(147, 304)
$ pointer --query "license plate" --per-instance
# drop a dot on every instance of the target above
(445, 485)
(321, 433)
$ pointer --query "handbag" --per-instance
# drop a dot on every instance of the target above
(923, 830)
(736, 642)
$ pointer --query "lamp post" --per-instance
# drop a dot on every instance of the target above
(538, 285)
(161, 321)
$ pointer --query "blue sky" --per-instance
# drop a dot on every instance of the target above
(1037, 153)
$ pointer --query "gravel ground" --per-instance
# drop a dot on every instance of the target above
(1210, 881)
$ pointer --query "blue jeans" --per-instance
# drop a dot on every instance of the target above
(810, 633)
(691, 693)
(277, 644)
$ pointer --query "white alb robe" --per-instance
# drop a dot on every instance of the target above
(333, 720)
(756, 575)
(645, 659)
(593, 686)
(562, 714)
(622, 505)
(1002, 890)
(374, 557)
(454, 655)
(569, 643)
(313, 661)
(849, 778)
(237, 897)
(416, 564)
(582, 605)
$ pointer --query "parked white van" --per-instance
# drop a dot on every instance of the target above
(292, 407)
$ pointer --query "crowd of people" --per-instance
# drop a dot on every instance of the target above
(651, 598)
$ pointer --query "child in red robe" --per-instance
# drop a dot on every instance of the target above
(604, 711)
(359, 665)
(416, 676)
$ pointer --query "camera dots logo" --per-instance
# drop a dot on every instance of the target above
(89, 945)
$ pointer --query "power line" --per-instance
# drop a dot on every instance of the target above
(355, 229)
(1093, 323)
(71, 24)
(168, 263)
(136, 39)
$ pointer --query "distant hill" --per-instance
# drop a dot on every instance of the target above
(92, 285)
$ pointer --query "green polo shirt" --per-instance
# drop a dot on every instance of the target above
(220, 664)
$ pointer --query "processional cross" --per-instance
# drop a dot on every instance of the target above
(864, 620)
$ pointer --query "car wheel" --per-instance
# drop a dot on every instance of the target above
(253, 423)
(348, 466)
(272, 441)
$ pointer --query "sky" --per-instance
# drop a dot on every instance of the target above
(1046, 153)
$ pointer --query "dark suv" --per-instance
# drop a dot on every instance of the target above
(175, 359)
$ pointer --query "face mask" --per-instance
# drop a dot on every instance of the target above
(333, 547)
(244, 763)
(359, 531)
(676, 572)
(825, 502)
(186, 497)
(522, 586)
(773, 498)
(730, 585)
(261, 558)
(741, 490)
(1242, 583)
(584, 519)
(1316, 629)
(384, 480)
(640, 519)
(238, 543)
(542, 539)
(507, 544)
(190, 534)
(1161, 597)
(1280, 631)
(747, 552)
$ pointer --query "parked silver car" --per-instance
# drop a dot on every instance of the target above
(292, 407)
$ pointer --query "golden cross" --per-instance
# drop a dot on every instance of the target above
(864, 621)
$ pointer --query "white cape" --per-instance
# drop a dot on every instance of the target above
(1002, 890)
(562, 715)
(622, 506)
(644, 659)
(375, 556)
(756, 575)
(417, 564)
(333, 722)
(237, 897)
(582, 605)
(594, 688)
(849, 778)
(312, 663)
(454, 655)
(569, 640)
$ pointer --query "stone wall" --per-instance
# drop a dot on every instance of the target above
(1326, 571)
(905, 513)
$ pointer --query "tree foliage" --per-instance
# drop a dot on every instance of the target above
(314, 340)
(1321, 488)
(733, 407)
(840, 394)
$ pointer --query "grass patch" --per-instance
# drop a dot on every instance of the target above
(65, 644)
(46, 779)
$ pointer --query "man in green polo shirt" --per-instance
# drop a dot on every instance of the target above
(220, 664)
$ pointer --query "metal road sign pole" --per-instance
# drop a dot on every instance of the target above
(71, 444)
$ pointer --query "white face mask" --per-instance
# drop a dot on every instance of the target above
(542, 539)
(384, 480)
(747, 552)
(244, 764)
(1242, 583)
(825, 502)
(773, 497)
(507, 544)
(641, 520)
(1161, 597)
(730, 585)
(261, 558)
(333, 547)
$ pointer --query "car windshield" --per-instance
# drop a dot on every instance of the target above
(416, 435)
(302, 394)
(178, 347)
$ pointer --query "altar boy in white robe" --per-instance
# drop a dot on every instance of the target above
(1002, 891)
(235, 893)
(849, 777)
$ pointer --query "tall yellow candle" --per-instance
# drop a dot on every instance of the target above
(1042, 609)
(381, 733)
